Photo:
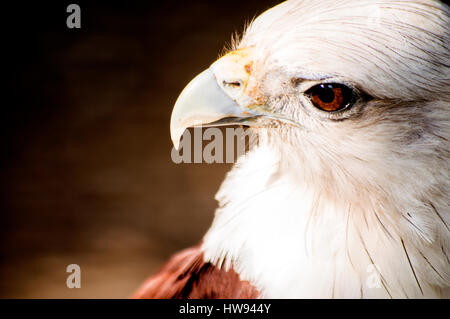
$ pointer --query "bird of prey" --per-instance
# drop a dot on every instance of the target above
(346, 194)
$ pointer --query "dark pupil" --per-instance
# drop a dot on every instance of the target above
(326, 94)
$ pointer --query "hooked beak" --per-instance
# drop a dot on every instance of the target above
(204, 103)
(217, 96)
(224, 94)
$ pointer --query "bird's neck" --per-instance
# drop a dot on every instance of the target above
(291, 241)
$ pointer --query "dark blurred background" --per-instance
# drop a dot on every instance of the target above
(86, 172)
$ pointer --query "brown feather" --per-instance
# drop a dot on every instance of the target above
(188, 276)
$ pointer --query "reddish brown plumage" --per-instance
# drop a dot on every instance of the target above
(188, 276)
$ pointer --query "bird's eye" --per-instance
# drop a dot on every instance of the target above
(331, 97)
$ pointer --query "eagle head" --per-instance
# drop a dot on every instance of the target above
(350, 103)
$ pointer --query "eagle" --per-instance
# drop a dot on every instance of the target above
(347, 192)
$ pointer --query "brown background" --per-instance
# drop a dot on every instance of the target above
(86, 173)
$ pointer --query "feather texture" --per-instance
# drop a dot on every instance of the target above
(354, 204)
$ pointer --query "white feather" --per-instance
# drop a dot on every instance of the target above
(307, 212)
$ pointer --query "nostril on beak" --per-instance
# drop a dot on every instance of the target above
(232, 84)
(234, 87)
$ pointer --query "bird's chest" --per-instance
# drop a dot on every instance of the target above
(283, 243)
(291, 241)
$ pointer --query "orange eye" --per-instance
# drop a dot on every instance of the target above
(331, 97)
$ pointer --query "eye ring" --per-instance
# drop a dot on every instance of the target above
(331, 97)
